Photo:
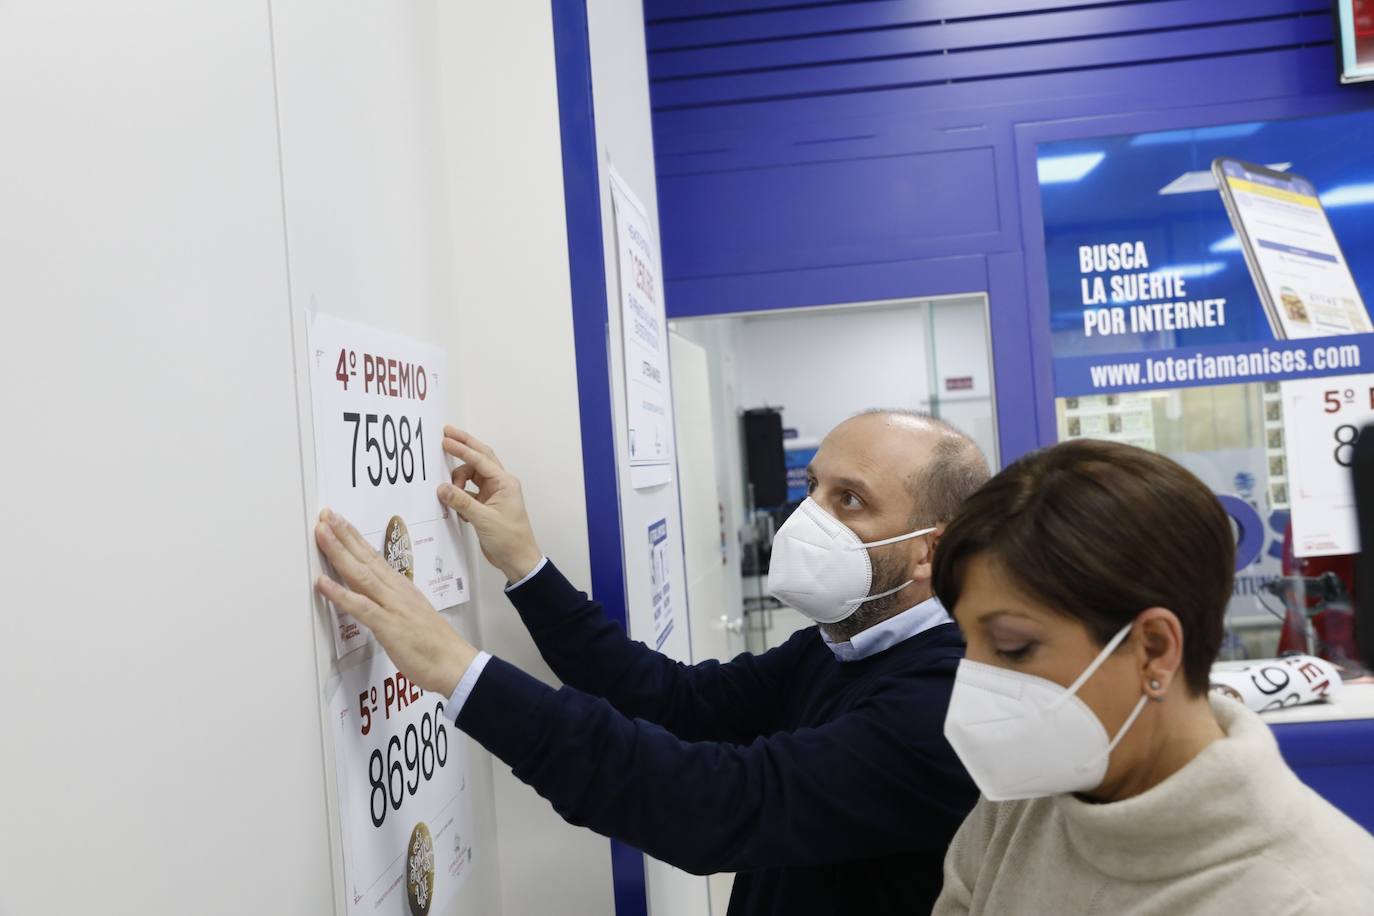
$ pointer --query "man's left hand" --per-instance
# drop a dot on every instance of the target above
(422, 644)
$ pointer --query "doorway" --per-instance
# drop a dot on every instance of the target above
(815, 367)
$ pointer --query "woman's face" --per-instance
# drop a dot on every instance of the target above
(1007, 628)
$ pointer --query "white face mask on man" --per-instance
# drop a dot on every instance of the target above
(821, 568)
(1022, 736)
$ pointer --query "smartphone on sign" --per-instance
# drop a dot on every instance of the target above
(1303, 279)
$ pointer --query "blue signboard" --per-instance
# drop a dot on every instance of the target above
(1210, 256)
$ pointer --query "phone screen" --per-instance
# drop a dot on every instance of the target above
(1296, 262)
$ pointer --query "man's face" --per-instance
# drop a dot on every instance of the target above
(862, 472)
(863, 475)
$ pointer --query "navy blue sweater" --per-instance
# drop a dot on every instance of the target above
(829, 788)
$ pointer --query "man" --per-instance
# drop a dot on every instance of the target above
(818, 771)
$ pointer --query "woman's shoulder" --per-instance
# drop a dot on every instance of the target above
(1306, 841)
(1307, 833)
(1321, 846)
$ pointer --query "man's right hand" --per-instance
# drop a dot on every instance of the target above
(496, 511)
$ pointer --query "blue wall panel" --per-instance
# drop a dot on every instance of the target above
(997, 63)
(914, 198)
(816, 153)
(904, 40)
(679, 23)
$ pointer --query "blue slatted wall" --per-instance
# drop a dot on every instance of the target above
(823, 152)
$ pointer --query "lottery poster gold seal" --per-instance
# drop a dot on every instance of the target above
(396, 548)
(420, 870)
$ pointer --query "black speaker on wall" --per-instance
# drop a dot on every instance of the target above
(766, 466)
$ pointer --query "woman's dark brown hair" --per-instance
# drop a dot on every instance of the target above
(1101, 531)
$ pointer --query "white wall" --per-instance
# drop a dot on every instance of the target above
(710, 615)
(719, 338)
(161, 703)
(962, 349)
(359, 97)
(161, 620)
(823, 367)
(714, 622)
(513, 336)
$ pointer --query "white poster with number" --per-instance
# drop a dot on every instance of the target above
(1322, 418)
(404, 803)
(643, 325)
(379, 426)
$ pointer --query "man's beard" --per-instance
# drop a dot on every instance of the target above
(889, 572)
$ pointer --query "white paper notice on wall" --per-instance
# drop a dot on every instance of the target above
(1322, 418)
(643, 325)
(379, 422)
(660, 585)
(404, 803)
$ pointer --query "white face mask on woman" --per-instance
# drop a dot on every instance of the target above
(1022, 736)
(821, 568)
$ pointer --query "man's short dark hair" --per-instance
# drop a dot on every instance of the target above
(1100, 531)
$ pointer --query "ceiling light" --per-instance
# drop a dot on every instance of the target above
(1063, 169)
(1192, 182)
(1348, 195)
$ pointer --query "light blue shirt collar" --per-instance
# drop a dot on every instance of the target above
(885, 635)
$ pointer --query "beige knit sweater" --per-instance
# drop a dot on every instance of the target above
(1234, 832)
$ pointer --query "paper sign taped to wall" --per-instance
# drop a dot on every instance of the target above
(379, 424)
(1322, 418)
(404, 803)
(650, 449)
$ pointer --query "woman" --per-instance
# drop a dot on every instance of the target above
(1090, 581)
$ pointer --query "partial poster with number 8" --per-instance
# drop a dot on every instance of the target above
(379, 417)
(404, 808)
(1322, 419)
